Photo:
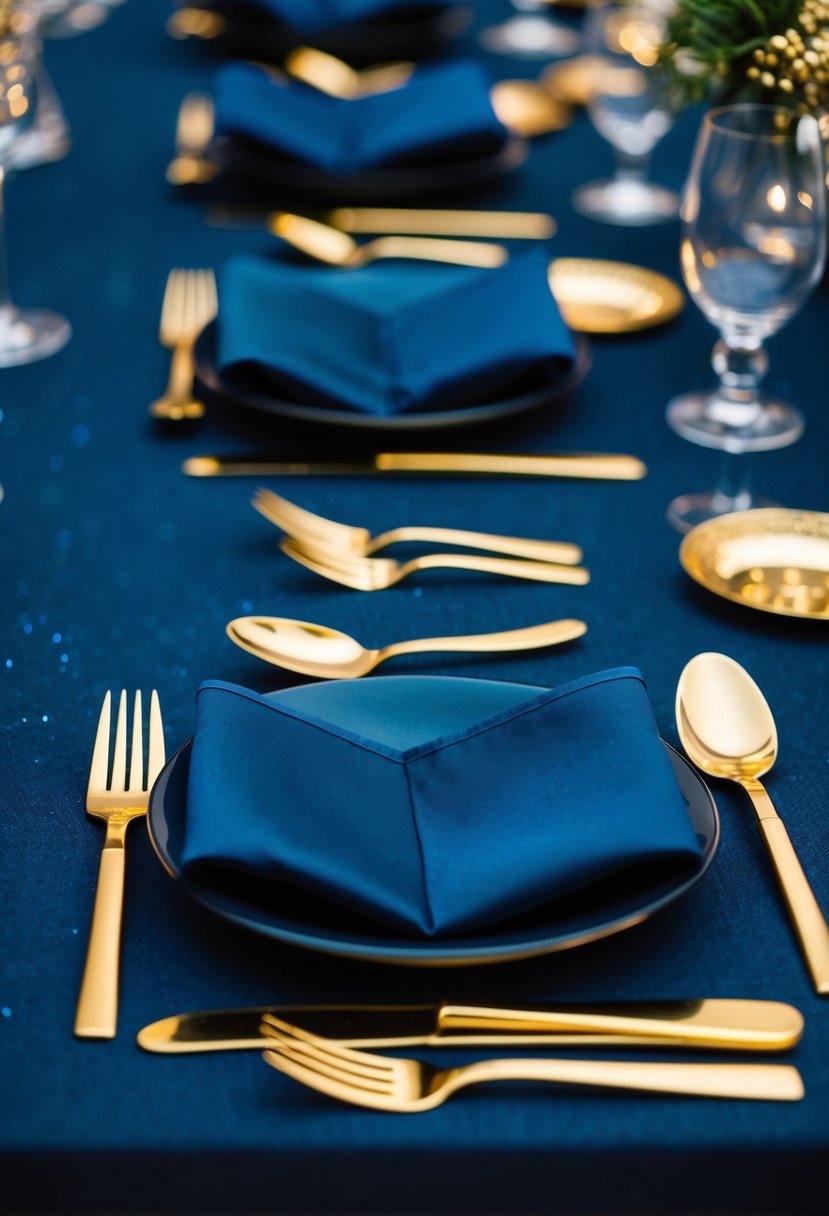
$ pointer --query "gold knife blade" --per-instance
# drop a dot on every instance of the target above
(609, 466)
(737, 1025)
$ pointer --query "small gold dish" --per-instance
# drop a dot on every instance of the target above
(572, 80)
(599, 297)
(775, 559)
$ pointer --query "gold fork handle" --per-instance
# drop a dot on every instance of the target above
(807, 917)
(543, 572)
(517, 546)
(434, 249)
(97, 1012)
(548, 634)
(773, 1082)
(177, 402)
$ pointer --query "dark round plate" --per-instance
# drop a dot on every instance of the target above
(256, 162)
(531, 397)
(313, 924)
(400, 35)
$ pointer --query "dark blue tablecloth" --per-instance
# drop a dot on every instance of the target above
(116, 570)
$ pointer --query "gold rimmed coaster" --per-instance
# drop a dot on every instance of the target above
(600, 297)
(775, 559)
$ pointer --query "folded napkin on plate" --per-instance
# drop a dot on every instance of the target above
(392, 338)
(441, 114)
(313, 15)
(557, 791)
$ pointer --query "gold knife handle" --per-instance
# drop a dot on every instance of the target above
(808, 919)
(532, 225)
(733, 1024)
(97, 1012)
(607, 466)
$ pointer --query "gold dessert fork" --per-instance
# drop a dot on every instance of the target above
(407, 1086)
(190, 303)
(117, 798)
(377, 573)
(194, 130)
(330, 534)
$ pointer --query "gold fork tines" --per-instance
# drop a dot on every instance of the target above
(190, 303)
(116, 796)
(407, 1086)
(191, 166)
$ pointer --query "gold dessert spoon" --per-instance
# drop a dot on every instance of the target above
(337, 248)
(316, 650)
(727, 729)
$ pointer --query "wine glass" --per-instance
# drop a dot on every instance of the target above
(30, 334)
(530, 34)
(632, 107)
(752, 248)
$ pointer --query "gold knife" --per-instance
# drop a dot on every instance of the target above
(508, 225)
(598, 465)
(736, 1025)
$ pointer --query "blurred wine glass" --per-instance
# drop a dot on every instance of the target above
(530, 34)
(26, 335)
(752, 248)
(632, 107)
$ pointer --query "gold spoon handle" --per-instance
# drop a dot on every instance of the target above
(534, 636)
(809, 921)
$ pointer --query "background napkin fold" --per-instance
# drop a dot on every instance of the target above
(556, 792)
(393, 337)
(442, 113)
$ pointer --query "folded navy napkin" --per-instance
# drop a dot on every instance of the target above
(393, 337)
(315, 15)
(442, 113)
(418, 805)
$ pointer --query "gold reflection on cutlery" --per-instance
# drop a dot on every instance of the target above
(190, 303)
(328, 533)
(117, 797)
(573, 81)
(194, 131)
(733, 1025)
(200, 23)
(727, 729)
(337, 248)
(378, 573)
(601, 466)
(506, 225)
(600, 297)
(317, 650)
(521, 105)
(775, 559)
(407, 1086)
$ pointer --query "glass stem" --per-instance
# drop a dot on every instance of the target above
(630, 168)
(740, 366)
(5, 295)
(733, 492)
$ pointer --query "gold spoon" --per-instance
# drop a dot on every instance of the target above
(316, 650)
(727, 729)
(337, 248)
(521, 105)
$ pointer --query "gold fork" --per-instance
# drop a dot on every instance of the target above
(194, 130)
(190, 303)
(330, 534)
(407, 1086)
(118, 799)
(377, 573)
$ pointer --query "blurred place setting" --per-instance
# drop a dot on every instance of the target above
(511, 313)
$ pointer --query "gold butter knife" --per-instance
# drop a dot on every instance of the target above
(411, 221)
(737, 1025)
(594, 465)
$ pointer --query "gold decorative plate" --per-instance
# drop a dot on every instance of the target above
(572, 80)
(599, 297)
(774, 559)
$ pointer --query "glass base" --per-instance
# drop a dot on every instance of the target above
(688, 510)
(711, 421)
(30, 334)
(626, 202)
(530, 38)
